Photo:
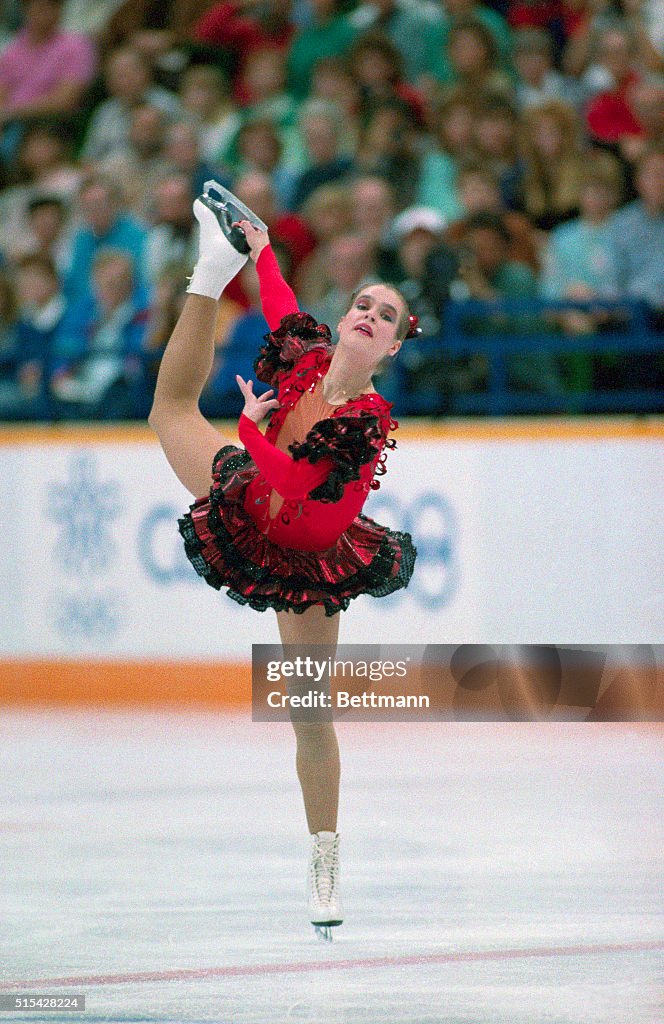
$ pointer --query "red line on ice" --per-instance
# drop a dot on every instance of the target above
(306, 966)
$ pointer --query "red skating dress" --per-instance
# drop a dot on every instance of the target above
(286, 531)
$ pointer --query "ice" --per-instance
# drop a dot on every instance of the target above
(158, 861)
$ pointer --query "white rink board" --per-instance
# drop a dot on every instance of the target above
(552, 541)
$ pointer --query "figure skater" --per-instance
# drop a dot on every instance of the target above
(278, 522)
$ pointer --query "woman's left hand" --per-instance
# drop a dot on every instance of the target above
(256, 407)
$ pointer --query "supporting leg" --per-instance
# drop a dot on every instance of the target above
(317, 757)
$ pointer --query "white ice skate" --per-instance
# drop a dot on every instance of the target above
(228, 209)
(325, 909)
(223, 248)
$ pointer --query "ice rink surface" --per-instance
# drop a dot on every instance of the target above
(156, 864)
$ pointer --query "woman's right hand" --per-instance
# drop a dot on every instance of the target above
(256, 238)
(256, 407)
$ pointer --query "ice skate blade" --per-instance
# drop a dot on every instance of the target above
(227, 208)
(324, 931)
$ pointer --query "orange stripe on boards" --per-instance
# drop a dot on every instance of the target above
(122, 683)
(645, 428)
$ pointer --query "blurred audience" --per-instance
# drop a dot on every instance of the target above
(129, 82)
(44, 72)
(98, 352)
(453, 148)
(105, 223)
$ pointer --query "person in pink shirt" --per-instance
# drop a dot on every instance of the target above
(43, 72)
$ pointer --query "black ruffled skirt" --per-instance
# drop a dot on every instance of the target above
(227, 549)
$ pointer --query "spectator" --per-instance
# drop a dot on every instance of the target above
(349, 261)
(553, 165)
(576, 262)
(333, 82)
(428, 265)
(10, 394)
(105, 224)
(42, 308)
(610, 116)
(44, 72)
(576, 259)
(264, 85)
(496, 146)
(321, 127)
(636, 238)
(205, 96)
(428, 268)
(141, 164)
(327, 213)
(389, 148)
(498, 44)
(167, 301)
(240, 33)
(329, 34)
(489, 274)
(259, 148)
(45, 167)
(129, 83)
(153, 28)
(98, 350)
(373, 206)
(411, 28)
(377, 67)
(647, 100)
(286, 229)
(172, 238)
(538, 81)
(472, 59)
(452, 126)
(586, 27)
(486, 267)
(479, 192)
(48, 231)
(182, 154)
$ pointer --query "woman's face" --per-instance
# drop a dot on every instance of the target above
(371, 325)
(547, 137)
(457, 127)
(468, 53)
(494, 133)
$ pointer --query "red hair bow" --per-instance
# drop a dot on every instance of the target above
(413, 330)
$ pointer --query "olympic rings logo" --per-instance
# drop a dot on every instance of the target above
(432, 523)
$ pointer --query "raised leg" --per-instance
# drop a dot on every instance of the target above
(189, 441)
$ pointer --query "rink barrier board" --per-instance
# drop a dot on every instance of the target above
(220, 684)
(158, 684)
(517, 429)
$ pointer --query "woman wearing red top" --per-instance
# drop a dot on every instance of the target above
(279, 521)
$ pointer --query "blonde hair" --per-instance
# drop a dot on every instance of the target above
(552, 184)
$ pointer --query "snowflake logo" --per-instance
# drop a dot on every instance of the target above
(84, 508)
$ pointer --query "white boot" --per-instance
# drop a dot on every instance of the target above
(218, 261)
(325, 909)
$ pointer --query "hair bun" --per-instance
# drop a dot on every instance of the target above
(413, 330)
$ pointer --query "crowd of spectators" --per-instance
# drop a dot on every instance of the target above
(451, 147)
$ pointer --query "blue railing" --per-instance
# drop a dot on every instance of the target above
(472, 327)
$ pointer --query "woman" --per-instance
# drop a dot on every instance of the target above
(286, 532)
(554, 162)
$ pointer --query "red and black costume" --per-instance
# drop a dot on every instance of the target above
(285, 531)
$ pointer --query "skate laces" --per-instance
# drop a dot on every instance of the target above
(324, 869)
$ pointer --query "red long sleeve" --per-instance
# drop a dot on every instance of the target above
(277, 298)
(290, 479)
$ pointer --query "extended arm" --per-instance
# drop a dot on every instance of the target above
(277, 298)
(290, 479)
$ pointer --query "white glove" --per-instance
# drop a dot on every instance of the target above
(218, 261)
